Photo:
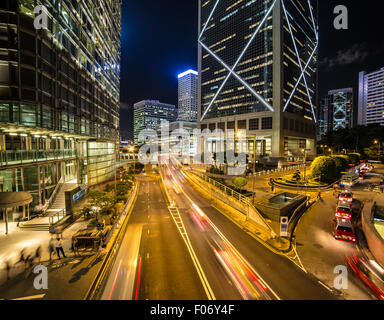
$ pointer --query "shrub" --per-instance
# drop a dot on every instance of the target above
(239, 182)
(325, 168)
(354, 158)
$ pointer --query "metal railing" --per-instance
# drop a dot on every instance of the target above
(53, 195)
(55, 218)
(230, 192)
(278, 170)
(31, 156)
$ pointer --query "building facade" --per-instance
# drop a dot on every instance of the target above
(341, 109)
(59, 94)
(371, 98)
(149, 114)
(180, 139)
(187, 108)
(323, 118)
(258, 72)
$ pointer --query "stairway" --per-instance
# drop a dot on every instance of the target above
(43, 223)
(59, 203)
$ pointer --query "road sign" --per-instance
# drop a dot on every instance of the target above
(284, 226)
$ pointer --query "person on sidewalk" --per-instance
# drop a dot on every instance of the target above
(59, 247)
(51, 249)
(8, 269)
(75, 247)
(38, 254)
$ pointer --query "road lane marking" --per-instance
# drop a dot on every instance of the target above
(325, 286)
(184, 236)
(39, 296)
(235, 251)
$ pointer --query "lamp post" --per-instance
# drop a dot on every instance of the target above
(254, 170)
(379, 143)
(304, 151)
(132, 149)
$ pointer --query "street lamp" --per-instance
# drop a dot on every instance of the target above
(132, 149)
(304, 151)
(379, 143)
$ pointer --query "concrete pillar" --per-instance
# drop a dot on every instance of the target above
(28, 211)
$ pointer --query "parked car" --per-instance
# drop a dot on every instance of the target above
(343, 231)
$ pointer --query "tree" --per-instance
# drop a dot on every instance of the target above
(325, 168)
(239, 182)
(341, 162)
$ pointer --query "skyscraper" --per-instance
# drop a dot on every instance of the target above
(371, 98)
(323, 118)
(59, 94)
(149, 114)
(341, 109)
(188, 96)
(258, 72)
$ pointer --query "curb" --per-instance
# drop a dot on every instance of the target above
(92, 291)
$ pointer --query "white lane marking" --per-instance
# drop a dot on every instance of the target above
(235, 250)
(39, 296)
(185, 237)
(325, 286)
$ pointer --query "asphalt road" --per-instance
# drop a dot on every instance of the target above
(283, 279)
(167, 271)
(319, 252)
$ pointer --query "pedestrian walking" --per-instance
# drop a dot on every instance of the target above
(8, 269)
(51, 249)
(59, 248)
(22, 258)
(38, 254)
(75, 246)
(319, 195)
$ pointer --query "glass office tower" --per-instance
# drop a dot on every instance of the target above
(258, 72)
(59, 94)
(187, 88)
(149, 114)
(341, 108)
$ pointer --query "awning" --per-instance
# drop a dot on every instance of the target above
(14, 199)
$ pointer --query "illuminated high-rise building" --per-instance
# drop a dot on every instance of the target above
(258, 72)
(341, 109)
(59, 94)
(149, 114)
(187, 96)
(371, 98)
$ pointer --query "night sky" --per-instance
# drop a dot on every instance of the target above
(159, 40)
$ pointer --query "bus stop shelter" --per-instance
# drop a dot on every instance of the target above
(13, 201)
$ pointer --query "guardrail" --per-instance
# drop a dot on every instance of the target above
(237, 201)
(238, 196)
(278, 170)
(106, 267)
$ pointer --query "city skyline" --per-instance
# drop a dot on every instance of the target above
(341, 52)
